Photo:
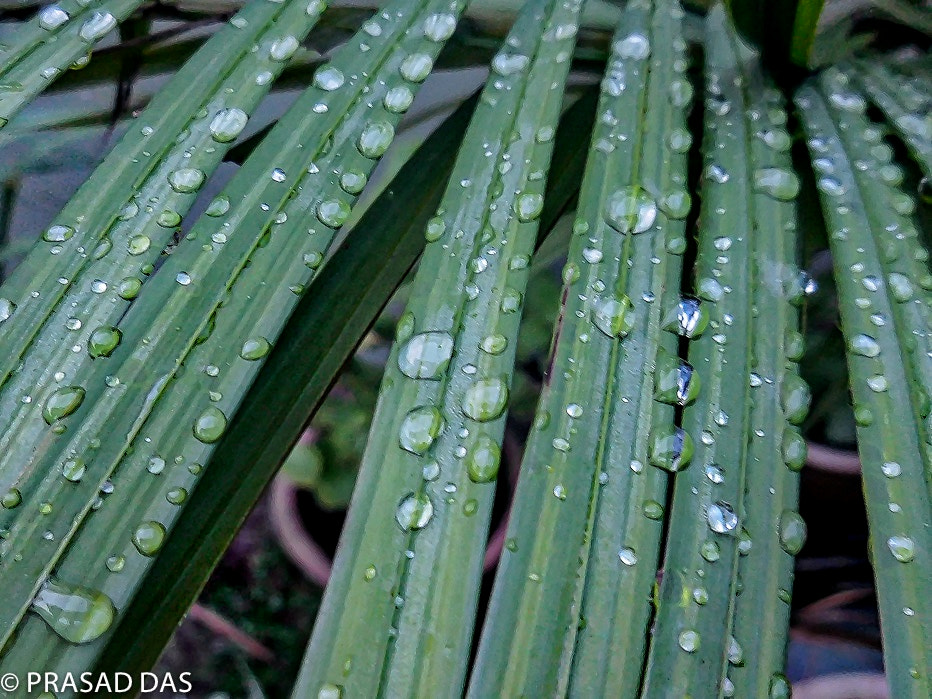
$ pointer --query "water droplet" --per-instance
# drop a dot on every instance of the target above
(627, 556)
(676, 203)
(11, 499)
(353, 181)
(717, 173)
(670, 448)
(329, 690)
(398, 99)
(864, 345)
(710, 551)
(333, 213)
(777, 139)
(255, 348)
(902, 547)
(779, 687)
(375, 139)
(653, 509)
(680, 140)
(901, 289)
(877, 383)
(574, 410)
(176, 496)
(149, 537)
(77, 614)
(794, 450)
(62, 402)
(630, 210)
(485, 399)
(57, 234)
(283, 49)
(329, 78)
(482, 460)
(52, 17)
(227, 124)
(103, 341)
(97, 26)
(414, 511)
(210, 425)
(116, 563)
(687, 318)
(792, 532)
(186, 179)
(73, 469)
(633, 46)
(721, 518)
(426, 355)
(675, 381)
(420, 428)
(528, 206)
(795, 397)
(506, 64)
(493, 344)
(168, 219)
(776, 182)
(891, 469)
(614, 316)
(439, 27)
(129, 287)
(416, 67)
(689, 640)
(6, 309)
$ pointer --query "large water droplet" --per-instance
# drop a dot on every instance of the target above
(329, 78)
(227, 124)
(420, 428)
(509, 63)
(633, 46)
(722, 518)
(675, 381)
(149, 537)
(670, 448)
(333, 213)
(528, 206)
(687, 318)
(77, 614)
(630, 210)
(57, 234)
(689, 640)
(416, 67)
(52, 17)
(776, 182)
(375, 139)
(62, 402)
(864, 345)
(103, 341)
(794, 449)
(792, 532)
(210, 425)
(255, 348)
(902, 547)
(426, 355)
(97, 26)
(485, 399)
(398, 99)
(439, 27)
(414, 511)
(483, 459)
(186, 179)
(795, 397)
(614, 316)
(283, 49)
(6, 309)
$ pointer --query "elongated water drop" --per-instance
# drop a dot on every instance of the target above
(6, 309)
(687, 318)
(255, 348)
(482, 460)
(795, 397)
(62, 402)
(98, 25)
(777, 182)
(902, 547)
(794, 449)
(722, 518)
(864, 345)
(439, 27)
(283, 49)
(792, 532)
(670, 448)
(52, 17)
(426, 355)
(77, 614)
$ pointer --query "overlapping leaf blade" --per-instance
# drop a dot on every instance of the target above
(407, 574)
(194, 338)
(744, 257)
(584, 482)
(884, 317)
